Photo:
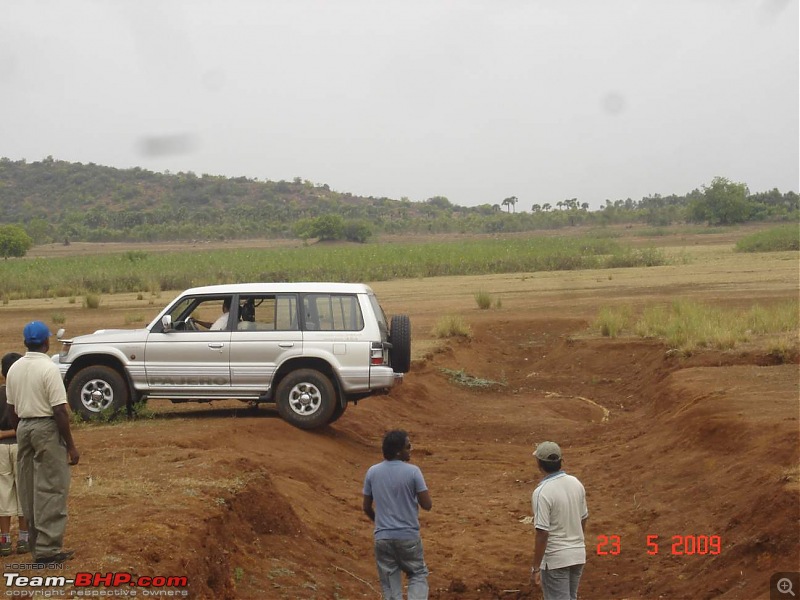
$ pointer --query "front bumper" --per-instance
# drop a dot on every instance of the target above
(62, 367)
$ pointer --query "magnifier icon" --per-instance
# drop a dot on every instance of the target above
(784, 586)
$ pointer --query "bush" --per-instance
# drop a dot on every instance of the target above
(777, 239)
(451, 326)
(785, 348)
(687, 325)
(91, 301)
(483, 300)
(357, 231)
(611, 321)
(14, 241)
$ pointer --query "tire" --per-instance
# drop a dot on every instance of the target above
(337, 412)
(306, 399)
(97, 391)
(400, 338)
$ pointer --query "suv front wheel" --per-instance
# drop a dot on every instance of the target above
(97, 390)
(306, 399)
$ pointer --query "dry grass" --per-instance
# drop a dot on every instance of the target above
(451, 326)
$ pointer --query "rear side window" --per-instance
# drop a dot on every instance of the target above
(379, 315)
(332, 312)
(268, 313)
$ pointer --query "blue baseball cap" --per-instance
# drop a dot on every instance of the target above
(36, 333)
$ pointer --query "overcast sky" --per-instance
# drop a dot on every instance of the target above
(475, 100)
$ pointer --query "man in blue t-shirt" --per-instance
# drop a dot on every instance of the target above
(397, 488)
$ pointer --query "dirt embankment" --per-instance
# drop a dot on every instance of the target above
(249, 507)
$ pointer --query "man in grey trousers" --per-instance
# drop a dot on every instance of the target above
(44, 439)
(560, 514)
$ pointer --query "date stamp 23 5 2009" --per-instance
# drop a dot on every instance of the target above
(678, 545)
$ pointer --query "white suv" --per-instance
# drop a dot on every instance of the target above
(308, 347)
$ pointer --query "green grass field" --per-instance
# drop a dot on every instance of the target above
(140, 271)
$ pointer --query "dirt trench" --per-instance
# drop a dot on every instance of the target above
(666, 447)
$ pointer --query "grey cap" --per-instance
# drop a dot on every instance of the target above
(548, 451)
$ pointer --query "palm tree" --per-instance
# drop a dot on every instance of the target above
(509, 202)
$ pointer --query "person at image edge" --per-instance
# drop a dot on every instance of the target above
(44, 439)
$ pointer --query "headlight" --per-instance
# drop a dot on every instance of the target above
(65, 346)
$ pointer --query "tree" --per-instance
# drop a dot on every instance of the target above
(327, 227)
(40, 230)
(724, 202)
(357, 231)
(440, 202)
(510, 202)
(14, 241)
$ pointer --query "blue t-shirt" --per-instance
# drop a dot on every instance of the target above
(394, 485)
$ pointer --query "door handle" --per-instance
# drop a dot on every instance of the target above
(286, 344)
(215, 345)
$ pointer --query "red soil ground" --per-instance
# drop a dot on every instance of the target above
(248, 507)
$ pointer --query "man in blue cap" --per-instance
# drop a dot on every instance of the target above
(36, 392)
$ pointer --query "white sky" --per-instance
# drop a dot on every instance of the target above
(475, 100)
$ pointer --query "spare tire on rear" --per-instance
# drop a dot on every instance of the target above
(400, 338)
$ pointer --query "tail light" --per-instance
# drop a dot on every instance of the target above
(376, 356)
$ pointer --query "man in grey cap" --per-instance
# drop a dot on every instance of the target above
(36, 391)
(559, 515)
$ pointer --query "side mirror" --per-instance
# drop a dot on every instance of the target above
(166, 322)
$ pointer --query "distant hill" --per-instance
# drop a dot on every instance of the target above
(57, 200)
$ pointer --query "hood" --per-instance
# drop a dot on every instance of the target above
(109, 336)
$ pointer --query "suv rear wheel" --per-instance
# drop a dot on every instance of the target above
(96, 390)
(306, 399)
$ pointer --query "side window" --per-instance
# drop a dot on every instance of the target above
(332, 312)
(212, 314)
(286, 313)
(276, 312)
(379, 315)
(182, 309)
(199, 314)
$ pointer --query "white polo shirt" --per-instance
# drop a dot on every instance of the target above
(559, 506)
(34, 386)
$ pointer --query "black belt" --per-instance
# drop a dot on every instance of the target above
(33, 418)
